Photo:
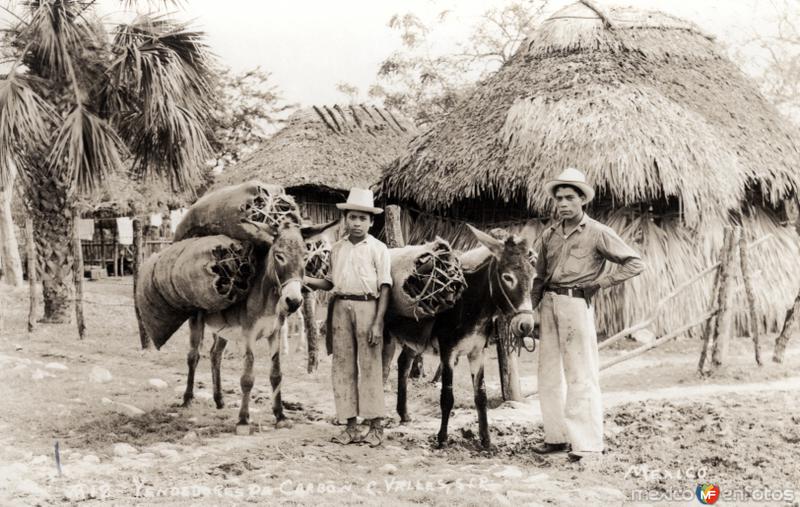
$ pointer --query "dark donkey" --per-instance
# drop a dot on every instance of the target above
(275, 295)
(499, 280)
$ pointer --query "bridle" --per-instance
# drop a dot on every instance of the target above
(510, 309)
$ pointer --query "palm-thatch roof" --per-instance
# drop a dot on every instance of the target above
(645, 103)
(329, 148)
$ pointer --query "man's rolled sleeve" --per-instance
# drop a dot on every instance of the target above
(384, 267)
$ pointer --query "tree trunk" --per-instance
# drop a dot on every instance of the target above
(9, 248)
(77, 274)
(507, 363)
(138, 256)
(52, 222)
(33, 272)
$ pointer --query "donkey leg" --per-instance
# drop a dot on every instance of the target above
(196, 328)
(446, 400)
(479, 387)
(387, 354)
(247, 380)
(216, 363)
(404, 362)
(276, 379)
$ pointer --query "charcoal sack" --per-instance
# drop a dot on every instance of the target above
(251, 211)
(209, 273)
(427, 280)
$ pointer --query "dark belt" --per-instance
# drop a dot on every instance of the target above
(567, 291)
(356, 297)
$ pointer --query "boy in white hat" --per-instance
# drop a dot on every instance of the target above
(360, 278)
(569, 271)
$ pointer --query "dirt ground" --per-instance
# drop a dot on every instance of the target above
(112, 409)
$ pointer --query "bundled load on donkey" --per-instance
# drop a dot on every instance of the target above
(219, 245)
(209, 273)
(428, 279)
(251, 211)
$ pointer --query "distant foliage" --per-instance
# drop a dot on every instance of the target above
(424, 83)
(250, 108)
(778, 72)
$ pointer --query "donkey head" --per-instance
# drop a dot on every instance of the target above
(511, 278)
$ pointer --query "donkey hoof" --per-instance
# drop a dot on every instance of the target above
(283, 423)
(244, 429)
(220, 403)
(187, 402)
(405, 419)
(441, 443)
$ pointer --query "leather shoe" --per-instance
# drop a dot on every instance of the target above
(548, 448)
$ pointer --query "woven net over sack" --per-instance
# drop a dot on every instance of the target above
(251, 211)
(427, 279)
(209, 273)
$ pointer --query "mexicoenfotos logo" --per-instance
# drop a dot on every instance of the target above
(707, 493)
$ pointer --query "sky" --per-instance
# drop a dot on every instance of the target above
(311, 45)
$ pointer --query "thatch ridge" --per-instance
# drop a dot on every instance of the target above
(330, 147)
(650, 108)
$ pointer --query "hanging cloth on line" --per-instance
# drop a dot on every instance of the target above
(85, 229)
(125, 230)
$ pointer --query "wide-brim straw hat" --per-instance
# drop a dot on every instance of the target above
(573, 177)
(360, 199)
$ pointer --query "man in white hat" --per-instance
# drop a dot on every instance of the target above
(569, 271)
(360, 278)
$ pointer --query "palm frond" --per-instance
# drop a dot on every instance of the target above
(24, 118)
(59, 31)
(87, 148)
(160, 92)
(169, 142)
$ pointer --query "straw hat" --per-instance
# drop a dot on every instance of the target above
(573, 177)
(360, 199)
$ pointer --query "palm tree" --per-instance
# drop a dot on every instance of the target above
(81, 101)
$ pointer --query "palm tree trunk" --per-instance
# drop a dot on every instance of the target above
(9, 248)
(52, 223)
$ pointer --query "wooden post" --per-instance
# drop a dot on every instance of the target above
(786, 331)
(116, 250)
(77, 273)
(507, 363)
(751, 296)
(103, 247)
(312, 332)
(33, 272)
(708, 334)
(138, 257)
(724, 326)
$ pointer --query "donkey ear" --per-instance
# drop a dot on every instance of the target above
(495, 246)
(309, 231)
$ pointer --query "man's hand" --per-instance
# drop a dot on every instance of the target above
(375, 335)
(590, 288)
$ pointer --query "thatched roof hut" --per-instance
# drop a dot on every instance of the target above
(324, 151)
(674, 137)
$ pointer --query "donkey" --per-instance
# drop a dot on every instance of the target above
(499, 280)
(276, 294)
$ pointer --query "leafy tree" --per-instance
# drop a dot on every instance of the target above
(80, 101)
(425, 83)
(250, 107)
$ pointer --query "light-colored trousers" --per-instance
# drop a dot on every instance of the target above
(572, 409)
(357, 368)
